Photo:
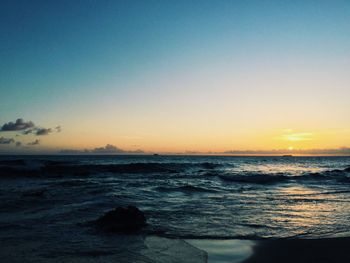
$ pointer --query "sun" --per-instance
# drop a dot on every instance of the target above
(290, 148)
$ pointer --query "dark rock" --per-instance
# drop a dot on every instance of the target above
(124, 220)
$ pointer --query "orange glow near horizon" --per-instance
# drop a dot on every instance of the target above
(233, 76)
(190, 142)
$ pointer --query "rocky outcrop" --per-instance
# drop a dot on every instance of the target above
(124, 220)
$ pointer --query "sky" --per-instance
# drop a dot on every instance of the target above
(174, 76)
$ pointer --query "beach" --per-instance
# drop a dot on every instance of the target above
(330, 250)
(125, 249)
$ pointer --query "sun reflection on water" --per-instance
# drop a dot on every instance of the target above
(303, 209)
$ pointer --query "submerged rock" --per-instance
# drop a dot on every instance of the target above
(124, 220)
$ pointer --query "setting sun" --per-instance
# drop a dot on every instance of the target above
(190, 131)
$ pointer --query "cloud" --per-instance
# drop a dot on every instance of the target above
(305, 136)
(42, 131)
(29, 131)
(27, 128)
(18, 125)
(109, 148)
(136, 151)
(336, 151)
(4, 140)
(253, 152)
(73, 151)
(18, 144)
(36, 142)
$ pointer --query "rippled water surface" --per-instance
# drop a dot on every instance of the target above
(182, 196)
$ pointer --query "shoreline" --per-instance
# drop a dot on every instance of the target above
(154, 249)
(323, 250)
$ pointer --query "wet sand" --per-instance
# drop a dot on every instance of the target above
(222, 251)
(122, 249)
(332, 250)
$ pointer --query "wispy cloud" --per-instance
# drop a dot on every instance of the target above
(43, 131)
(295, 137)
(4, 140)
(26, 132)
(337, 151)
(36, 142)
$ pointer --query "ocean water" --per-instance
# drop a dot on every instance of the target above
(45, 200)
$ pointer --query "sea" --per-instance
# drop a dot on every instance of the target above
(46, 201)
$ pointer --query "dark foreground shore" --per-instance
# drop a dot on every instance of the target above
(332, 250)
(335, 250)
(140, 249)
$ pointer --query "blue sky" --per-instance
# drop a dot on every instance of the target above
(87, 65)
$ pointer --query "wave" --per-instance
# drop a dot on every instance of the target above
(255, 178)
(48, 167)
(338, 175)
(54, 168)
(27, 167)
(185, 188)
(181, 235)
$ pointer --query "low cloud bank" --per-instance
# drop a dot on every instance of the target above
(108, 149)
(337, 151)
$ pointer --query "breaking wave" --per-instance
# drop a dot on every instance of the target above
(54, 168)
(47, 168)
(274, 178)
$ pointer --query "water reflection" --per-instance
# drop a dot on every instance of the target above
(304, 209)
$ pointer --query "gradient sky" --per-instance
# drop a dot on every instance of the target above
(175, 76)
